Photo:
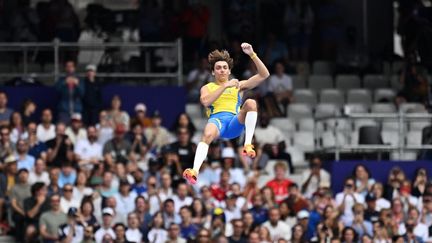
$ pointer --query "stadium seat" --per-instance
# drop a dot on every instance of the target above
(194, 110)
(346, 82)
(355, 108)
(340, 124)
(269, 167)
(305, 96)
(358, 123)
(200, 123)
(326, 110)
(299, 81)
(304, 140)
(375, 82)
(418, 125)
(322, 68)
(328, 139)
(414, 138)
(390, 137)
(333, 96)
(406, 156)
(390, 125)
(306, 124)
(297, 157)
(359, 96)
(412, 108)
(297, 111)
(369, 134)
(383, 108)
(284, 124)
(381, 94)
(319, 82)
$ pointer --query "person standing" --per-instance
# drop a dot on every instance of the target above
(92, 96)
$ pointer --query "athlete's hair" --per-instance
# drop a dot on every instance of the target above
(217, 55)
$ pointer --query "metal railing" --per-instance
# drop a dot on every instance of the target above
(57, 47)
(401, 118)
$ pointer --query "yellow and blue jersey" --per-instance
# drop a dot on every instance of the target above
(223, 112)
(228, 101)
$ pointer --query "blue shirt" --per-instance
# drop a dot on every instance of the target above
(260, 215)
(64, 179)
(26, 163)
(189, 232)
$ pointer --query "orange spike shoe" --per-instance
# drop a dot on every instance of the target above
(248, 150)
(190, 175)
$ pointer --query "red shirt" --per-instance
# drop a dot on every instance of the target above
(280, 189)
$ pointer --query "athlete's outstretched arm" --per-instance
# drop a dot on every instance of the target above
(207, 97)
(262, 74)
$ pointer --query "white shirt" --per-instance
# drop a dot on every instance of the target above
(126, 204)
(82, 134)
(79, 195)
(133, 235)
(157, 235)
(382, 203)
(43, 177)
(65, 204)
(231, 214)
(270, 135)
(153, 202)
(44, 134)
(87, 150)
(78, 235)
(178, 203)
(314, 182)
(105, 134)
(348, 214)
(420, 230)
(279, 84)
(99, 234)
(282, 230)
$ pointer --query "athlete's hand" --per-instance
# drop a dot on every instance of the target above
(247, 48)
(232, 83)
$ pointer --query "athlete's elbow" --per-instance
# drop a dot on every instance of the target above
(266, 74)
(204, 102)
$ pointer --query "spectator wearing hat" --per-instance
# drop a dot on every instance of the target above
(278, 229)
(72, 231)
(118, 149)
(141, 116)
(71, 90)
(157, 135)
(46, 129)
(75, 131)
(106, 227)
(92, 96)
(19, 192)
(117, 116)
(218, 222)
(313, 176)
(51, 220)
(88, 152)
(184, 148)
(232, 211)
(125, 198)
(60, 148)
(5, 112)
(371, 213)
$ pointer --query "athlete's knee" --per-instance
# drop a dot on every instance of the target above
(250, 105)
(208, 136)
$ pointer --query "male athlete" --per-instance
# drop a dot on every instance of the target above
(223, 99)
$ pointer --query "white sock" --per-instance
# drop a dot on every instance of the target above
(200, 155)
(250, 123)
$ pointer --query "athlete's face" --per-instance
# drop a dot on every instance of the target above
(221, 71)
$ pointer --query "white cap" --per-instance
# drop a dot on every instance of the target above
(228, 152)
(108, 211)
(303, 214)
(76, 116)
(91, 67)
(140, 107)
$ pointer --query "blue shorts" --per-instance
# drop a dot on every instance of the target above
(228, 124)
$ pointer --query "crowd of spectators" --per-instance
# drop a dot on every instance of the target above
(97, 174)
